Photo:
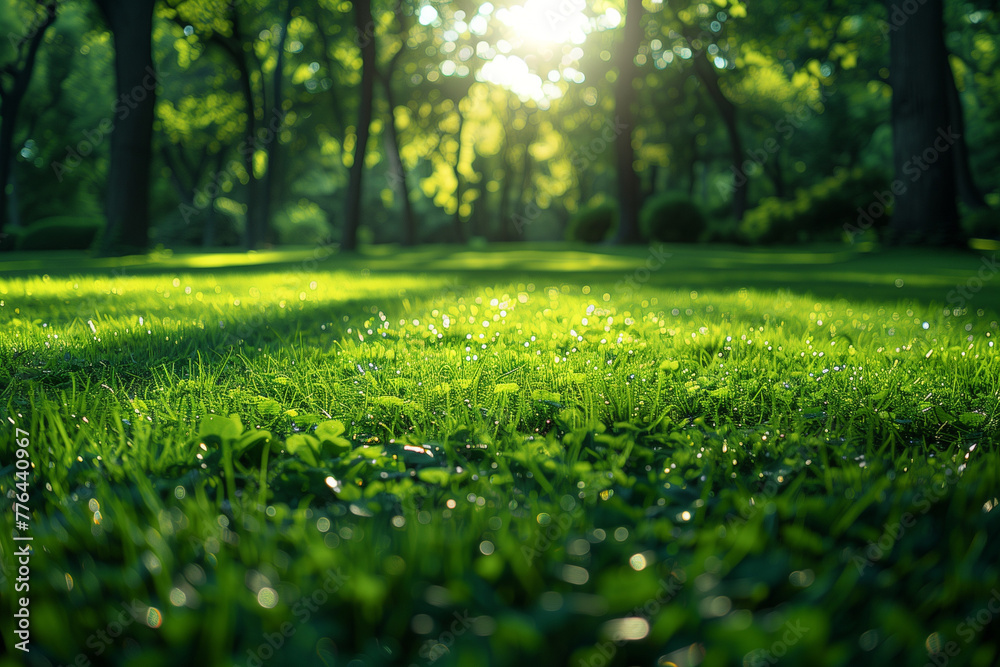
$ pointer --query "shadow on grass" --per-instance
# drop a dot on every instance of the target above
(948, 278)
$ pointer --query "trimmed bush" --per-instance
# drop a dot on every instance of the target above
(592, 224)
(722, 230)
(982, 223)
(672, 218)
(8, 240)
(826, 211)
(63, 232)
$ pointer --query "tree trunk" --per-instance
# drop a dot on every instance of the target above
(923, 132)
(727, 110)
(506, 217)
(629, 189)
(777, 176)
(692, 163)
(131, 23)
(966, 184)
(256, 221)
(398, 170)
(10, 106)
(270, 185)
(352, 218)
(649, 183)
(212, 217)
(457, 223)
(399, 177)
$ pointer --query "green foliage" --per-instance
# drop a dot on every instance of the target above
(593, 223)
(64, 232)
(822, 212)
(982, 223)
(301, 224)
(673, 218)
(172, 230)
(723, 229)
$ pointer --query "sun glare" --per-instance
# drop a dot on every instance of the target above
(547, 21)
(532, 49)
(513, 73)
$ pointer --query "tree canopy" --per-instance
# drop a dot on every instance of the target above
(250, 123)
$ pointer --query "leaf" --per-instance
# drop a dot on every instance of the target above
(548, 397)
(943, 416)
(306, 447)
(330, 434)
(440, 476)
(268, 407)
(972, 418)
(251, 439)
(349, 492)
(220, 429)
(372, 452)
(390, 401)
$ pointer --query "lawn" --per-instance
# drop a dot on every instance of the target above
(560, 456)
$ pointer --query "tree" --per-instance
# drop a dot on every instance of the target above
(131, 24)
(964, 182)
(398, 174)
(352, 219)
(923, 130)
(708, 75)
(629, 189)
(14, 79)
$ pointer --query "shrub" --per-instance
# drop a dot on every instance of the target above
(592, 224)
(723, 230)
(982, 223)
(301, 223)
(824, 211)
(64, 232)
(8, 239)
(180, 228)
(673, 218)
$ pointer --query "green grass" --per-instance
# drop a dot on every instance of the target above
(494, 457)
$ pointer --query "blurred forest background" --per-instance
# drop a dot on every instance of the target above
(248, 123)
